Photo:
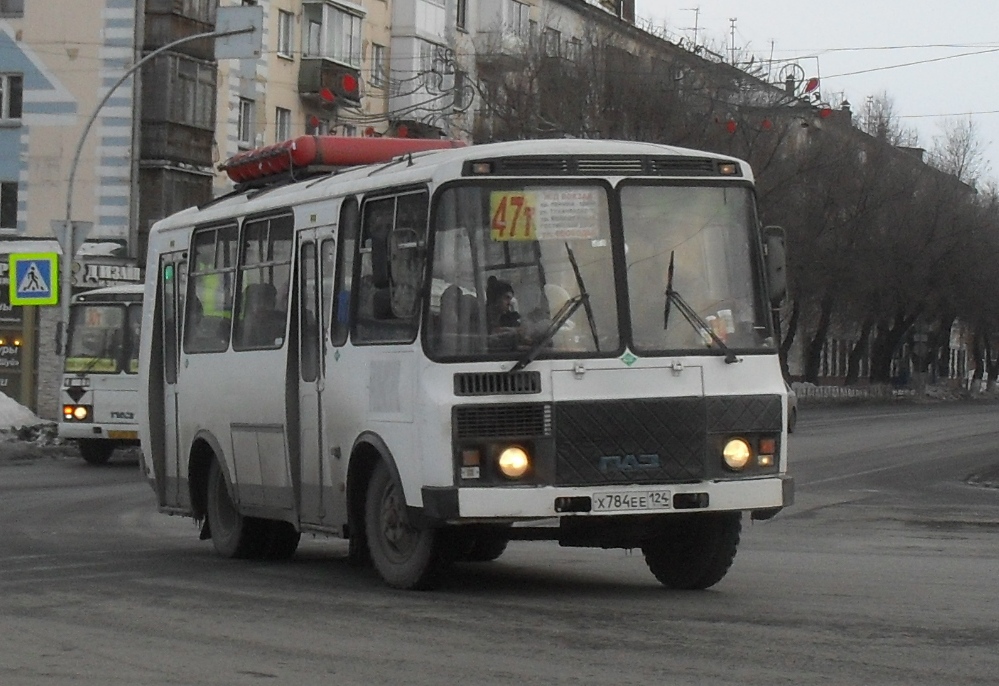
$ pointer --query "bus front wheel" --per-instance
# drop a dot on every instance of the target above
(233, 534)
(406, 554)
(695, 551)
(95, 452)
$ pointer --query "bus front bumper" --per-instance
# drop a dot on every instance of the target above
(765, 496)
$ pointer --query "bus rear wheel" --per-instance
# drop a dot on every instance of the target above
(406, 554)
(233, 534)
(95, 452)
(695, 551)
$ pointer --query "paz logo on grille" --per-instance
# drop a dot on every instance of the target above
(629, 463)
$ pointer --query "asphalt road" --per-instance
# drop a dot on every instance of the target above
(883, 572)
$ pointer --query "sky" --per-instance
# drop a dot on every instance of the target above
(856, 48)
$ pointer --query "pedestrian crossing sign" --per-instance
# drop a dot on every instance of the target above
(34, 279)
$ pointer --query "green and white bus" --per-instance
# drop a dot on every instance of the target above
(100, 380)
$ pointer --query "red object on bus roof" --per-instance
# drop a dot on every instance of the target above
(326, 151)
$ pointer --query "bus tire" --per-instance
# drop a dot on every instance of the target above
(693, 551)
(407, 555)
(482, 547)
(233, 534)
(282, 540)
(95, 452)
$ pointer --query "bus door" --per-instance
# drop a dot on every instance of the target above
(170, 480)
(316, 262)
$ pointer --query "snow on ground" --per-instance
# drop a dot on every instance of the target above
(14, 415)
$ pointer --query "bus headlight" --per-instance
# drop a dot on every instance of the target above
(737, 453)
(513, 462)
(75, 413)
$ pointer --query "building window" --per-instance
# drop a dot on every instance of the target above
(282, 124)
(285, 25)
(11, 8)
(552, 42)
(195, 101)
(518, 18)
(461, 17)
(244, 125)
(8, 205)
(11, 96)
(461, 98)
(377, 65)
(574, 49)
(349, 130)
(332, 33)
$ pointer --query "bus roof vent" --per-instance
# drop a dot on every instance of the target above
(683, 166)
(497, 383)
(531, 166)
(611, 166)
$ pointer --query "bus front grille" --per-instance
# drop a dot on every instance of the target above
(652, 440)
(497, 383)
(499, 421)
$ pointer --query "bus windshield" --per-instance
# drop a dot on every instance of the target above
(103, 339)
(707, 234)
(522, 266)
(510, 261)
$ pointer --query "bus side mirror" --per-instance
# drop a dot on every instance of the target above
(775, 256)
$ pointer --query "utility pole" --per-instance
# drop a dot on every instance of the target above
(697, 16)
(732, 21)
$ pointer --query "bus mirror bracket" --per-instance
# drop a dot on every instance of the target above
(775, 254)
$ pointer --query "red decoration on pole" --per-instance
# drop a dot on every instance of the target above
(767, 124)
(327, 95)
(731, 126)
(402, 131)
(349, 83)
(314, 121)
(811, 84)
(825, 112)
(370, 131)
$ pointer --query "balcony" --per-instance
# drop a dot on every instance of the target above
(318, 77)
(169, 20)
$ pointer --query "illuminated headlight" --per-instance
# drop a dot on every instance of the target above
(513, 462)
(78, 413)
(737, 454)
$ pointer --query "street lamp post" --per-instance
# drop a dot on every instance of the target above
(69, 239)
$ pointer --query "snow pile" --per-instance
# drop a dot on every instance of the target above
(14, 415)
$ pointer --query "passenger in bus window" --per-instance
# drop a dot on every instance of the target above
(500, 306)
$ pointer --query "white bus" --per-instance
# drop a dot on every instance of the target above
(100, 381)
(566, 340)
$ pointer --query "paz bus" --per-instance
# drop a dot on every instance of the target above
(100, 383)
(320, 354)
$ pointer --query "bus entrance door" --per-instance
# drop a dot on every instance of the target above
(315, 277)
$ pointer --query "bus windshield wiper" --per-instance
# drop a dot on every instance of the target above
(561, 317)
(688, 312)
(586, 301)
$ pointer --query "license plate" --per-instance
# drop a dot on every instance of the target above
(631, 501)
(124, 435)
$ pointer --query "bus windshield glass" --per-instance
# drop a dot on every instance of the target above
(707, 234)
(99, 340)
(522, 269)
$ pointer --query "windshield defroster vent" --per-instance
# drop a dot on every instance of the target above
(497, 383)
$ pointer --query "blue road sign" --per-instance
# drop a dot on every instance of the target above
(34, 279)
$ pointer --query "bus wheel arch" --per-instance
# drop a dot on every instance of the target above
(368, 451)
(204, 451)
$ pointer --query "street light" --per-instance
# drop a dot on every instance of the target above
(252, 20)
